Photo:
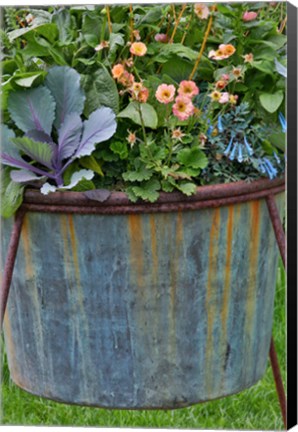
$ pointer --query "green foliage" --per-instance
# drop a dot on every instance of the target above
(140, 112)
(100, 90)
(147, 149)
(11, 194)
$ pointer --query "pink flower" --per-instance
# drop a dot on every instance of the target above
(225, 77)
(188, 89)
(201, 10)
(131, 138)
(138, 48)
(183, 108)
(225, 97)
(249, 16)
(165, 93)
(161, 37)
(143, 95)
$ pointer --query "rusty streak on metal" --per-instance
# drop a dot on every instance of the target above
(278, 382)
(10, 261)
(277, 226)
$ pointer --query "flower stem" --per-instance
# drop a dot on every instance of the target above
(142, 123)
(209, 25)
(177, 21)
(109, 19)
(131, 23)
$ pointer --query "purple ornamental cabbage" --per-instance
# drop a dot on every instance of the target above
(58, 103)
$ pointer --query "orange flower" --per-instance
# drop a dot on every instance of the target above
(223, 52)
(117, 71)
(126, 79)
(131, 138)
(221, 84)
(138, 49)
(143, 95)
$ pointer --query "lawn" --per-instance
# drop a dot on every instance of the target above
(255, 408)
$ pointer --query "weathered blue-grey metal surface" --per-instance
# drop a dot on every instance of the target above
(142, 311)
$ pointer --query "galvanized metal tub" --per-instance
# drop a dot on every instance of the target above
(143, 306)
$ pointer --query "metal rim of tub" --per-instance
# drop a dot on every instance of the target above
(210, 196)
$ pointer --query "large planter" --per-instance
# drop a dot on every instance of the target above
(143, 306)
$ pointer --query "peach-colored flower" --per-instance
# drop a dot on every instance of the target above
(233, 99)
(165, 93)
(202, 139)
(183, 108)
(138, 48)
(131, 138)
(129, 62)
(188, 89)
(237, 72)
(215, 96)
(136, 35)
(201, 10)
(161, 37)
(143, 95)
(224, 98)
(249, 16)
(221, 84)
(248, 58)
(223, 52)
(126, 79)
(117, 71)
(102, 45)
(177, 134)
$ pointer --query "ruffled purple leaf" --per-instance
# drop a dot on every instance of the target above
(64, 84)
(32, 109)
(100, 126)
(69, 136)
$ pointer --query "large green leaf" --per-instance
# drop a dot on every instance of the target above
(100, 90)
(27, 79)
(64, 84)
(91, 29)
(148, 114)
(265, 66)
(178, 49)
(11, 194)
(192, 157)
(64, 22)
(38, 151)
(32, 109)
(271, 101)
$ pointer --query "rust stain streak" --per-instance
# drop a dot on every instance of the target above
(227, 283)
(27, 248)
(71, 258)
(30, 276)
(210, 307)
(153, 249)
(136, 242)
(252, 278)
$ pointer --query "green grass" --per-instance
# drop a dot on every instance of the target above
(255, 408)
